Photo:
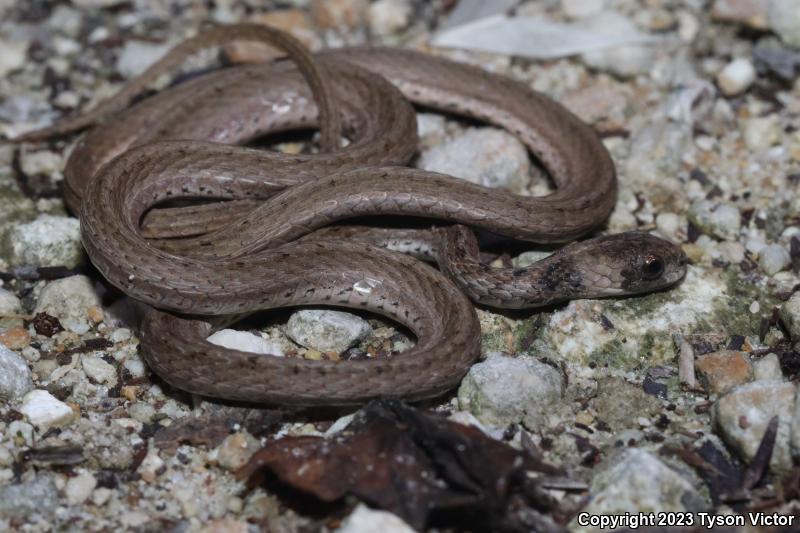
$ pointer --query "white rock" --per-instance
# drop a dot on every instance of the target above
(44, 410)
(79, 488)
(688, 26)
(12, 56)
(761, 133)
(768, 367)
(671, 225)
(366, 520)
(9, 303)
(656, 152)
(134, 519)
(389, 16)
(70, 300)
(31, 354)
(752, 13)
(22, 429)
(15, 376)
(136, 56)
(47, 241)
(784, 19)
(236, 450)
(101, 496)
(635, 480)
(135, 367)
(143, 412)
(326, 331)
(736, 77)
(99, 371)
(773, 259)
(431, 128)
(245, 341)
(43, 162)
(530, 257)
(65, 20)
(120, 335)
(720, 220)
(790, 315)
(487, 156)
(582, 8)
(624, 61)
(502, 390)
(37, 496)
(741, 417)
(152, 466)
(731, 251)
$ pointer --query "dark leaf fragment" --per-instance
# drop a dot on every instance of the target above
(46, 325)
(423, 468)
(210, 429)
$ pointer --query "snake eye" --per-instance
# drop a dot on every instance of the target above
(652, 267)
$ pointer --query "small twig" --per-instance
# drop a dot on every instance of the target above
(686, 372)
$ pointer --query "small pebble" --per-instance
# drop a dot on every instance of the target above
(339, 13)
(718, 220)
(44, 410)
(236, 450)
(761, 133)
(101, 495)
(9, 303)
(135, 367)
(624, 61)
(736, 77)
(721, 371)
(486, 156)
(152, 466)
(768, 367)
(42, 162)
(80, 487)
(36, 496)
(136, 56)
(15, 338)
(13, 56)
(326, 331)
(366, 520)
(143, 412)
(752, 13)
(71, 300)
(120, 335)
(671, 225)
(502, 390)
(387, 17)
(245, 341)
(742, 415)
(47, 241)
(784, 19)
(637, 479)
(774, 258)
(15, 376)
(99, 371)
(431, 129)
(790, 315)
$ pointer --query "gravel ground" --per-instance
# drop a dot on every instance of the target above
(683, 400)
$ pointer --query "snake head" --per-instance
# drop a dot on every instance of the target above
(628, 263)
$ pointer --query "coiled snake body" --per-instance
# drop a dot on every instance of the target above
(257, 234)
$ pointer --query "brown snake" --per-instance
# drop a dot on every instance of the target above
(257, 234)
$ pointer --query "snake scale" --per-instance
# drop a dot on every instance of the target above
(179, 214)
